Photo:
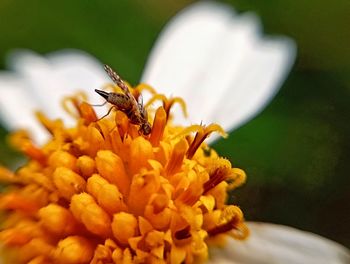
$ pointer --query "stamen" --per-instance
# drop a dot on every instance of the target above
(143, 86)
(57, 219)
(22, 142)
(68, 182)
(217, 176)
(159, 203)
(122, 122)
(106, 194)
(124, 227)
(7, 176)
(74, 101)
(50, 125)
(143, 186)
(191, 195)
(160, 97)
(236, 179)
(176, 157)
(241, 231)
(223, 228)
(174, 100)
(117, 143)
(83, 250)
(34, 153)
(95, 139)
(104, 130)
(102, 254)
(188, 130)
(144, 225)
(140, 152)
(15, 201)
(86, 166)
(158, 213)
(111, 167)
(14, 237)
(231, 218)
(158, 126)
(168, 103)
(87, 113)
(230, 212)
(88, 212)
(183, 233)
(136, 92)
(201, 135)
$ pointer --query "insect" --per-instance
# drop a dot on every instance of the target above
(126, 103)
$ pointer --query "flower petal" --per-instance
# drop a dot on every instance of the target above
(178, 64)
(79, 70)
(17, 107)
(259, 78)
(218, 62)
(270, 243)
(40, 83)
(59, 75)
(40, 80)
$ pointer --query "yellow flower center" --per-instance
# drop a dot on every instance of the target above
(101, 192)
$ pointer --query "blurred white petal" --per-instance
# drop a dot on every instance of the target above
(57, 75)
(218, 62)
(275, 244)
(40, 80)
(40, 83)
(78, 70)
(17, 107)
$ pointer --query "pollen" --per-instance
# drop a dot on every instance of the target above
(102, 192)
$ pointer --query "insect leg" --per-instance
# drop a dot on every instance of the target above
(109, 111)
(99, 104)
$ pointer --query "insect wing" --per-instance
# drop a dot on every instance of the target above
(140, 100)
(141, 107)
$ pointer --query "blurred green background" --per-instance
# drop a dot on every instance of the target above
(296, 153)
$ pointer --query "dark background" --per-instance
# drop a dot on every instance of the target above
(296, 153)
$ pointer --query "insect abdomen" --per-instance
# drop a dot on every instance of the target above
(121, 101)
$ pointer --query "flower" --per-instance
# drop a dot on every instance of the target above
(102, 192)
(177, 64)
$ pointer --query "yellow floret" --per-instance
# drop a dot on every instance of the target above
(101, 192)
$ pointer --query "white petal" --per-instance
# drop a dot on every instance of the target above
(40, 83)
(179, 60)
(79, 71)
(59, 75)
(17, 107)
(272, 244)
(219, 63)
(261, 73)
